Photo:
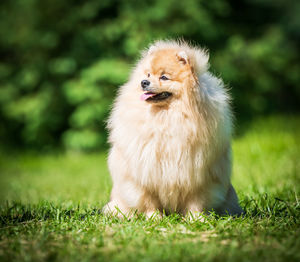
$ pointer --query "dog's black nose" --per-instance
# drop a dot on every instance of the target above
(145, 84)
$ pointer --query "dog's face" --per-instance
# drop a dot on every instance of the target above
(167, 75)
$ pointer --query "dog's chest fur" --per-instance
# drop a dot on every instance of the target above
(168, 157)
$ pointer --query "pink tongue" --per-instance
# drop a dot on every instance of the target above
(145, 96)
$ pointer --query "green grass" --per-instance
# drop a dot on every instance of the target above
(50, 208)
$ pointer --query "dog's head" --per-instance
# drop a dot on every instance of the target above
(169, 72)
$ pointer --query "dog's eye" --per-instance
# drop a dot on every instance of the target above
(148, 75)
(163, 77)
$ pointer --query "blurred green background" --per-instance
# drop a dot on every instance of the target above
(61, 62)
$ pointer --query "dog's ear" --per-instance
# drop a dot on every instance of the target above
(182, 57)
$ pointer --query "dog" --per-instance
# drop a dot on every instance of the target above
(170, 133)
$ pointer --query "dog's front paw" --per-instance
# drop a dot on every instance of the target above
(117, 210)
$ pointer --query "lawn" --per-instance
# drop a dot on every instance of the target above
(50, 207)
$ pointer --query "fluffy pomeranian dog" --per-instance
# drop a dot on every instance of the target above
(170, 133)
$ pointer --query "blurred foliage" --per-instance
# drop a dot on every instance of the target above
(62, 61)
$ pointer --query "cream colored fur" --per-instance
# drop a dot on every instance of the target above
(173, 155)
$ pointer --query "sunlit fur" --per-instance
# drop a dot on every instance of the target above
(173, 155)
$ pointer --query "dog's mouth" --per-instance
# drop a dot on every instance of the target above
(150, 96)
